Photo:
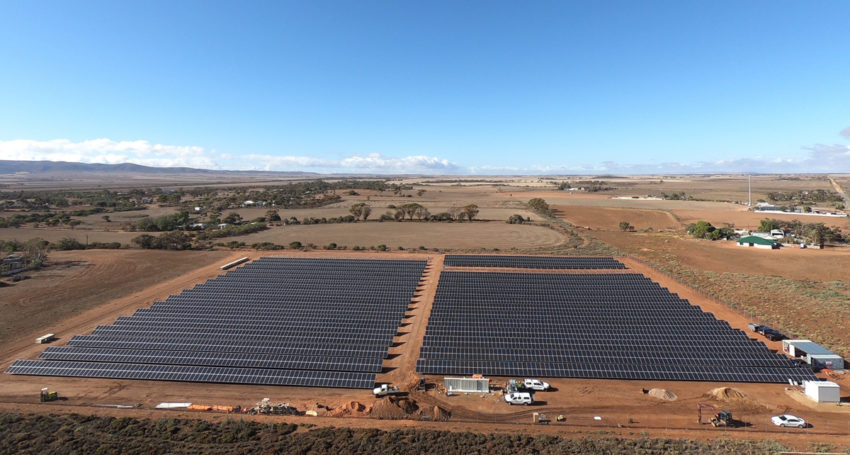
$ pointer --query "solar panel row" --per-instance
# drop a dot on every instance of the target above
(277, 321)
(608, 325)
(532, 262)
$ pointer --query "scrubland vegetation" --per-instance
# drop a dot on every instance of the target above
(68, 434)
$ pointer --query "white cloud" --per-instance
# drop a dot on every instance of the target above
(818, 158)
(845, 132)
(377, 162)
(108, 151)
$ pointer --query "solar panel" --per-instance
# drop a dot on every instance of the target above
(275, 321)
(532, 262)
(583, 325)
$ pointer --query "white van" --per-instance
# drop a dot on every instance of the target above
(518, 398)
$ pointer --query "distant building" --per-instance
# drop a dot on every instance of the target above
(11, 264)
(764, 235)
(758, 242)
(766, 206)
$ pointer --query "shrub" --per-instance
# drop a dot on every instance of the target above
(295, 245)
(515, 219)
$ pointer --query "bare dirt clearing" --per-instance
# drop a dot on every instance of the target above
(610, 217)
(77, 282)
(620, 404)
(476, 235)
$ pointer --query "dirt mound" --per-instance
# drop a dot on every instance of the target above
(736, 398)
(726, 394)
(351, 408)
(663, 394)
(395, 408)
(440, 414)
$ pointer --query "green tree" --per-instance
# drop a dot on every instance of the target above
(701, 229)
(175, 240)
(69, 243)
(366, 211)
(356, 209)
(146, 241)
(35, 252)
(768, 224)
(272, 215)
(471, 211)
(232, 218)
(410, 209)
(625, 226)
(540, 206)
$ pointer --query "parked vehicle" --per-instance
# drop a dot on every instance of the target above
(788, 420)
(767, 332)
(773, 335)
(385, 389)
(535, 384)
(519, 398)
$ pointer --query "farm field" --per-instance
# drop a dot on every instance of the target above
(476, 235)
(802, 292)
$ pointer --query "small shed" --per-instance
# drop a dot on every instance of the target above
(758, 242)
(821, 361)
(823, 391)
(815, 354)
(467, 384)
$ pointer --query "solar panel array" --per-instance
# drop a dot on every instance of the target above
(602, 325)
(275, 321)
(532, 262)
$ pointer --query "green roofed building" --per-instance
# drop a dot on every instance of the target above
(758, 242)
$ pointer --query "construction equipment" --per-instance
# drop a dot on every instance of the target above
(265, 406)
(48, 395)
(700, 407)
(724, 419)
(719, 419)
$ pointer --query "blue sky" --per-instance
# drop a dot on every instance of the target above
(430, 87)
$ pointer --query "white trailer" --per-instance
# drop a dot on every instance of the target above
(45, 338)
(234, 263)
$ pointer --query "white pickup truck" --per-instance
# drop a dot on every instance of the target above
(385, 389)
(535, 384)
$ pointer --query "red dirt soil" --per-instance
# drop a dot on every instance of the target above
(623, 409)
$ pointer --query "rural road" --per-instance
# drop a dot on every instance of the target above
(840, 191)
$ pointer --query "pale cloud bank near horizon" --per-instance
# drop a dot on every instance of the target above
(818, 158)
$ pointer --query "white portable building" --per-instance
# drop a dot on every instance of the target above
(467, 384)
(823, 391)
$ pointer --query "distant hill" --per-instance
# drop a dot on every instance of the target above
(64, 167)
